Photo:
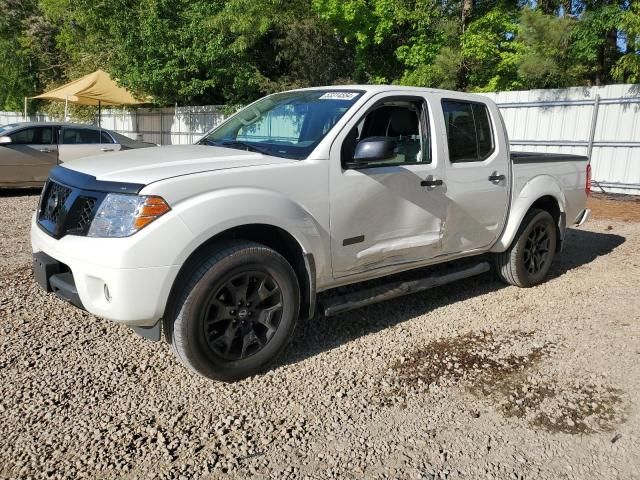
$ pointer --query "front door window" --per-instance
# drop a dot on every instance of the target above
(398, 121)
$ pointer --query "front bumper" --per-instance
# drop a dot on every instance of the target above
(53, 276)
(71, 268)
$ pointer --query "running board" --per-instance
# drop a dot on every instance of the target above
(350, 301)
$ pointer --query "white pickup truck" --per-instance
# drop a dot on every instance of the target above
(226, 243)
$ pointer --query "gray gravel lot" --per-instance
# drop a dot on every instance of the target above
(471, 380)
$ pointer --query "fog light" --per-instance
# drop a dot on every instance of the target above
(107, 294)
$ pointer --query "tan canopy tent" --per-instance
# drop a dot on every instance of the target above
(97, 88)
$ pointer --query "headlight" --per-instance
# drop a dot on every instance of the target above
(122, 215)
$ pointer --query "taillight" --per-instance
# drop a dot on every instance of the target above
(587, 187)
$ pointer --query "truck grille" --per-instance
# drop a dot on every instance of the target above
(53, 200)
(65, 210)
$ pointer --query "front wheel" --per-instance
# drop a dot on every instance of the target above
(529, 258)
(236, 313)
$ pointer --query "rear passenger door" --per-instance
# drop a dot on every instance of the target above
(477, 175)
(107, 143)
(78, 142)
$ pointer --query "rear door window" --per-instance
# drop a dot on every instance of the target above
(483, 130)
(469, 133)
(105, 138)
(78, 136)
(32, 136)
(71, 136)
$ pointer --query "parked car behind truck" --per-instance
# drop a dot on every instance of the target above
(28, 150)
(226, 243)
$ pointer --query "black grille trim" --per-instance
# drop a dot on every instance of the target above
(87, 212)
(81, 215)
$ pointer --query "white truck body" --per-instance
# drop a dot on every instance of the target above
(350, 224)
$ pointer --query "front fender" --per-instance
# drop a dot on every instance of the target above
(212, 213)
(522, 200)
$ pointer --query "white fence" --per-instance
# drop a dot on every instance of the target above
(602, 122)
(164, 126)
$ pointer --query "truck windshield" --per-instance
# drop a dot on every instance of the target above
(288, 124)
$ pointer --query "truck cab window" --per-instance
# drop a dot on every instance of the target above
(397, 121)
(469, 134)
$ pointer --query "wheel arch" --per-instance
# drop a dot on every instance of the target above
(274, 237)
(550, 204)
(544, 193)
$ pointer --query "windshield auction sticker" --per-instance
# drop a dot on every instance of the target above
(339, 96)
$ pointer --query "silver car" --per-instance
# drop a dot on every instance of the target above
(29, 150)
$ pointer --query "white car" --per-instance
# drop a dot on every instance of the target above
(226, 243)
(28, 150)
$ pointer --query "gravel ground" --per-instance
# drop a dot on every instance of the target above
(471, 380)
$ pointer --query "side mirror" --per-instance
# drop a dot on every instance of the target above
(5, 140)
(372, 149)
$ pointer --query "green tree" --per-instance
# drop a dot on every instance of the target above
(281, 44)
(489, 53)
(197, 52)
(594, 40)
(627, 68)
(15, 73)
(29, 58)
(543, 51)
(378, 30)
(160, 48)
(233, 51)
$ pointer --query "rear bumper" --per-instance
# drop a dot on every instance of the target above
(583, 217)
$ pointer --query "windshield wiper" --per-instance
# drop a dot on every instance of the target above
(205, 141)
(235, 144)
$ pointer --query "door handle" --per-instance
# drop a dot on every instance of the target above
(431, 183)
(46, 150)
(495, 178)
(106, 149)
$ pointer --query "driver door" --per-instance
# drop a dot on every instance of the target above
(389, 212)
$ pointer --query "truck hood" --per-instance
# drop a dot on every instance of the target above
(148, 165)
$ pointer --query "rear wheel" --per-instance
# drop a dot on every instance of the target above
(529, 258)
(236, 313)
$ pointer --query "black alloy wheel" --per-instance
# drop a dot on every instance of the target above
(528, 259)
(235, 311)
(536, 250)
(242, 315)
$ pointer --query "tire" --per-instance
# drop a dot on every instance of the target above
(528, 259)
(236, 312)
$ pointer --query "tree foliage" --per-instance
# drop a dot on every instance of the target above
(627, 69)
(232, 51)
